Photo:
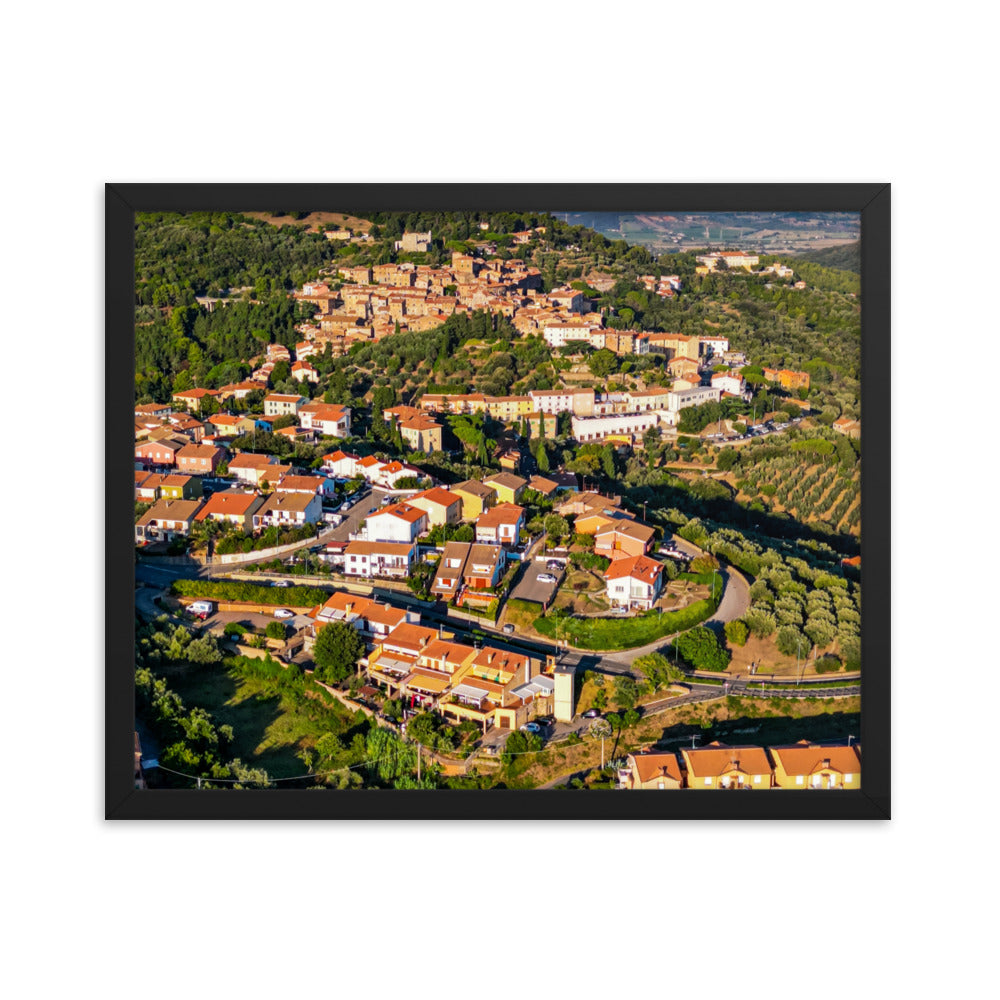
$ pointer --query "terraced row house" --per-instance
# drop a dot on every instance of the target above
(802, 765)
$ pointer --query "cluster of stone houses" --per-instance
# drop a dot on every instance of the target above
(802, 765)
(431, 671)
(370, 303)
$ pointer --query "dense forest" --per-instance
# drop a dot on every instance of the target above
(846, 258)
(206, 253)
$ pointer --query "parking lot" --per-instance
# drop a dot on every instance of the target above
(530, 588)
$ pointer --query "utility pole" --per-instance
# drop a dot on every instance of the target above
(419, 748)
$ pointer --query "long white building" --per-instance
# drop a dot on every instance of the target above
(693, 397)
(619, 424)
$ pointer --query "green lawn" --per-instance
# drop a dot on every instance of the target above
(623, 633)
(270, 727)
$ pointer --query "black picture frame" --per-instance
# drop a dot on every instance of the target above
(123, 801)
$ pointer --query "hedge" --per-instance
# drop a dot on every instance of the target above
(238, 590)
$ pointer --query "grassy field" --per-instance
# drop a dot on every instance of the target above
(622, 633)
(269, 727)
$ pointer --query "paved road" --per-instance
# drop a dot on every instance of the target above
(735, 598)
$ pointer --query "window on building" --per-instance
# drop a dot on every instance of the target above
(799, 780)
(708, 781)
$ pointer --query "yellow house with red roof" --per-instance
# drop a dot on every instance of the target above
(814, 765)
(720, 766)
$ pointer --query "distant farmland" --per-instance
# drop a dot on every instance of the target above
(797, 232)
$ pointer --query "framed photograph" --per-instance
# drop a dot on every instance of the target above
(491, 498)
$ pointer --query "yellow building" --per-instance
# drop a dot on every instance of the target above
(499, 688)
(564, 695)
(421, 433)
(509, 488)
(720, 766)
(476, 498)
(653, 770)
(440, 505)
(812, 765)
(508, 408)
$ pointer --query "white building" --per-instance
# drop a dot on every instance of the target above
(579, 402)
(635, 582)
(371, 559)
(728, 382)
(289, 510)
(712, 345)
(619, 424)
(693, 397)
(558, 334)
(278, 404)
(398, 523)
(341, 464)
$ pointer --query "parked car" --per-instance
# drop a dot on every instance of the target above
(592, 713)
(546, 578)
(509, 629)
(346, 505)
(545, 720)
(554, 565)
(531, 727)
(281, 583)
(283, 613)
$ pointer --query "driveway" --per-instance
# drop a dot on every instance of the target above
(735, 598)
(354, 517)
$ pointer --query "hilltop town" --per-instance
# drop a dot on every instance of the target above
(625, 492)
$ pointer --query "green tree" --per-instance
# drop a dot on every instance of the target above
(658, 670)
(337, 650)
(556, 527)
(602, 363)
(626, 692)
(700, 647)
(791, 641)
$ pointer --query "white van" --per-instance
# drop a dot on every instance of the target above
(202, 608)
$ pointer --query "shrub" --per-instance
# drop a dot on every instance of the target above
(828, 664)
(737, 632)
